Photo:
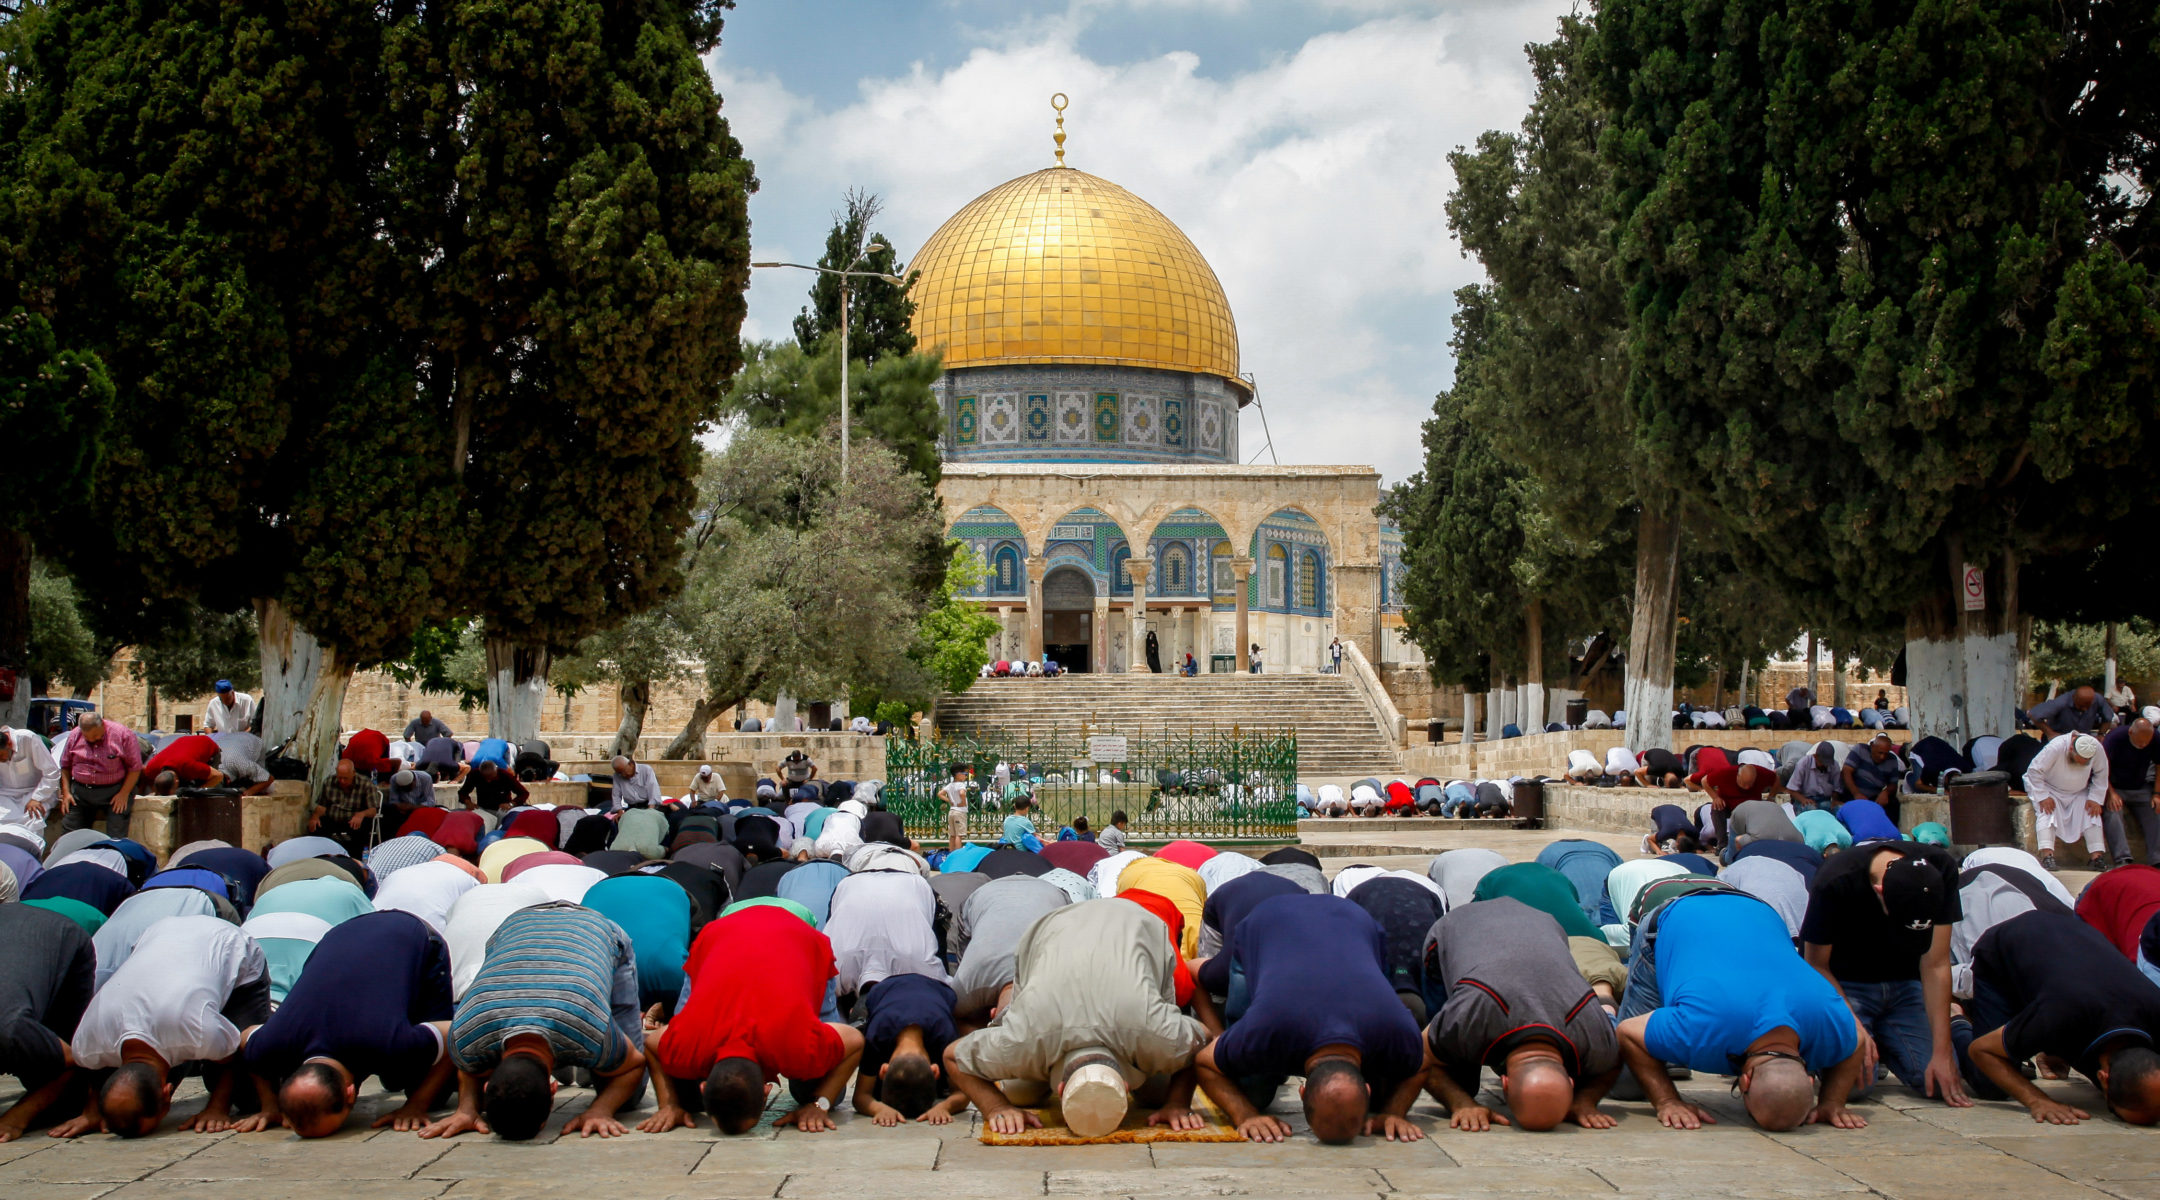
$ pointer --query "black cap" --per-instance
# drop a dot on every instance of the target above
(1912, 892)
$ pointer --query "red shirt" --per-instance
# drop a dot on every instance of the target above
(2120, 903)
(1724, 783)
(757, 982)
(187, 757)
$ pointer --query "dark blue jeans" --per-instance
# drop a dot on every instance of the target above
(1895, 1014)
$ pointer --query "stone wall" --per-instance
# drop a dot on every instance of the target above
(1547, 753)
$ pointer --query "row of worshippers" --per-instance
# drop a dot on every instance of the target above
(1427, 797)
(1100, 980)
(2077, 710)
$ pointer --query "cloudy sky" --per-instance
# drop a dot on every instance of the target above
(1301, 144)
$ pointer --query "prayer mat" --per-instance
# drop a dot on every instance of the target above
(1134, 1132)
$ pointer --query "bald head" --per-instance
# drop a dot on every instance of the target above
(133, 1100)
(1780, 1094)
(2084, 697)
(1337, 1100)
(2141, 731)
(315, 1100)
(1538, 1091)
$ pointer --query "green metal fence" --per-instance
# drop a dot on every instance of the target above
(1202, 785)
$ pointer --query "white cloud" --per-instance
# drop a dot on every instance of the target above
(1313, 184)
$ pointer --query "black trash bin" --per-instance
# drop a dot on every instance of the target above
(1980, 809)
(207, 814)
(1578, 711)
(1529, 801)
(1435, 731)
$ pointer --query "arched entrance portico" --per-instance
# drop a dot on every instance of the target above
(1069, 618)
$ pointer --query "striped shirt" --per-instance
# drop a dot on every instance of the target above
(554, 970)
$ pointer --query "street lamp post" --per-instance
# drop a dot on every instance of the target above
(846, 319)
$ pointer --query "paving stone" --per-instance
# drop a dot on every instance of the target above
(633, 1156)
(102, 1158)
(969, 1154)
(280, 1155)
(745, 1185)
(2117, 1156)
(29, 1143)
(297, 1188)
(1684, 1175)
(1216, 1181)
(986, 1184)
(58, 1191)
(1928, 1177)
(2001, 1118)
(792, 1150)
(1303, 1152)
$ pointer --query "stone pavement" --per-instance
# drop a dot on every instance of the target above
(1912, 1150)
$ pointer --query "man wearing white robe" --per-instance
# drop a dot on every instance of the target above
(2067, 783)
(29, 782)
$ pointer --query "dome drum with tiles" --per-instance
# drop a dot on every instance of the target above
(1091, 399)
(1077, 323)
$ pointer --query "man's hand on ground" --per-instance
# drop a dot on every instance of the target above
(405, 1118)
(1177, 1118)
(1836, 1116)
(1264, 1128)
(1475, 1118)
(1679, 1114)
(588, 1123)
(209, 1120)
(2051, 1112)
(809, 1118)
(455, 1124)
(1588, 1115)
(1393, 1128)
(668, 1116)
(1943, 1080)
(75, 1127)
(1011, 1120)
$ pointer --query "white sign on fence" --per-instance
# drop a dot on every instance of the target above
(1975, 589)
(1107, 747)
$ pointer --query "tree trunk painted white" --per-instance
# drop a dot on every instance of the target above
(1961, 668)
(636, 698)
(783, 712)
(1533, 707)
(1814, 658)
(322, 719)
(1744, 698)
(2108, 684)
(517, 685)
(1469, 716)
(1837, 678)
(291, 660)
(1654, 629)
(1533, 692)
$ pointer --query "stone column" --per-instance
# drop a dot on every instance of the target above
(1004, 638)
(1136, 652)
(1037, 567)
(1241, 570)
(1099, 634)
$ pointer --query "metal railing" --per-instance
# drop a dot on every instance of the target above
(1212, 784)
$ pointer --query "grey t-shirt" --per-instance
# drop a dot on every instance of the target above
(48, 971)
(992, 922)
(2063, 717)
(1758, 821)
(1510, 979)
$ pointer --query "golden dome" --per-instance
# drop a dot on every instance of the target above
(1062, 267)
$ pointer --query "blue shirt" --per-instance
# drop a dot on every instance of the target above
(1727, 974)
(898, 1001)
(364, 999)
(557, 970)
(1018, 829)
(655, 912)
(1315, 967)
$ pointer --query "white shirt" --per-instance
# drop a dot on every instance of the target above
(473, 922)
(1363, 796)
(1619, 762)
(1582, 762)
(427, 890)
(170, 994)
(217, 718)
(30, 776)
(839, 837)
(559, 881)
(2052, 776)
(956, 794)
(881, 926)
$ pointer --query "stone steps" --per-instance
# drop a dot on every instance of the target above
(1336, 732)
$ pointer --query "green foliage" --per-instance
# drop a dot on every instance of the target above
(445, 658)
(2073, 654)
(1480, 544)
(880, 312)
(1886, 280)
(62, 647)
(370, 274)
(196, 649)
(785, 388)
(54, 406)
(951, 646)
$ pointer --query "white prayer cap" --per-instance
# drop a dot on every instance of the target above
(1757, 758)
(2152, 713)
(704, 769)
(1095, 1098)
(2085, 746)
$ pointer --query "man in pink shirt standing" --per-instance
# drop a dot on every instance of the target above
(98, 772)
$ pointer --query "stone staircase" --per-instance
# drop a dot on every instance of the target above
(1338, 735)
